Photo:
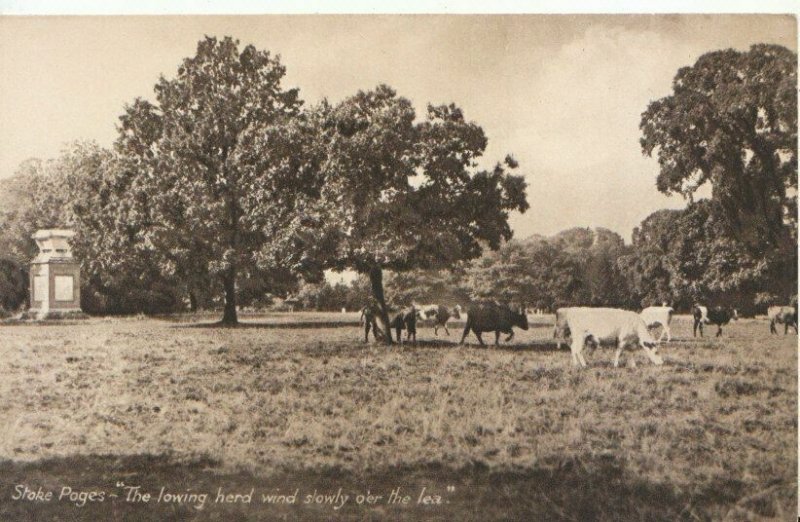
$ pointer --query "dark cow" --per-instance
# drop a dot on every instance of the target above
(785, 315)
(718, 315)
(406, 320)
(440, 315)
(489, 316)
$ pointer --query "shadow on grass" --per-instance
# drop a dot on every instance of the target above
(273, 325)
(599, 488)
(539, 345)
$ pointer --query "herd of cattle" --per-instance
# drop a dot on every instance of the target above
(584, 326)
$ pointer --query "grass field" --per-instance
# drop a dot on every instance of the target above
(513, 433)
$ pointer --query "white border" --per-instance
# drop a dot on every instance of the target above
(241, 7)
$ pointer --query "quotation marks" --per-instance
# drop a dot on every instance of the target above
(451, 489)
(120, 484)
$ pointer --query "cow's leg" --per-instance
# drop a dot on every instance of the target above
(581, 359)
(480, 339)
(446, 331)
(719, 330)
(632, 360)
(399, 335)
(785, 328)
(669, 333)
(772, 328)
(510, 336)
(617, 354)
(497, 337)
(436, 330)
(366, 331)
(466, 331)
(575, 348)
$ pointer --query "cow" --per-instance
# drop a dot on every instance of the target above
(440, 315)
(406, 319)
(368, 318)
(785, 315)
(718, 315)
(489, 316)
(609, 325)
(658, 315)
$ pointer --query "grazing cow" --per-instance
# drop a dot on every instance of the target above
(718, 315)
(407, 320)
(488, 316)
(368, 318)
(608, 325)
(658, 315)
(440, 315)
(785, 315)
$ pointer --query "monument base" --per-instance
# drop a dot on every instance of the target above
(52, 315)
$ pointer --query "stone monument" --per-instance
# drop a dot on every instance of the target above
(55, 285)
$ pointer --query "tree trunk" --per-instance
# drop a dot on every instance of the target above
(376, 280)
(229, 317)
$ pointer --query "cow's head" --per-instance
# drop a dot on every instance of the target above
(735, 315)
(457, 312)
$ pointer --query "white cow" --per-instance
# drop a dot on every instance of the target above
(658, 315)
(785, 315)
(440, 315)
(609, 325)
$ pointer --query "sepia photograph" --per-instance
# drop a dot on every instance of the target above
(399, 267)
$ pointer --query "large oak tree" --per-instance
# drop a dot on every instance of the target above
(402, 194)
(731, 121)
(219, 164)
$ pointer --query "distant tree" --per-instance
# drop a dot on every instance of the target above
(596, 251)
(219, 165)
(119, 269)
(731, 121)
(649, 268)
(575, 267)
(680, 256)
(359, 292)
(69, 191)
(427, 286)
(400, 195)
(712, 264)
(13, 285)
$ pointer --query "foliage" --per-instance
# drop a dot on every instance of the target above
(217, 166)
(13, 285)
(731, 121)
(427, 286)
(575, 267)
(401, 195)
(680, 256)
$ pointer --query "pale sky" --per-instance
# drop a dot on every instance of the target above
(563, 94)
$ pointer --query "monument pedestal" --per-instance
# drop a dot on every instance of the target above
(55, 278)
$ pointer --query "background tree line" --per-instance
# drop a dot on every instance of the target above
(226, 190)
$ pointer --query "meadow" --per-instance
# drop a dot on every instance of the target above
(292, 402)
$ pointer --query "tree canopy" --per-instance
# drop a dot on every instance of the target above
(731, 121)
(400, 194)
(218, 165)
